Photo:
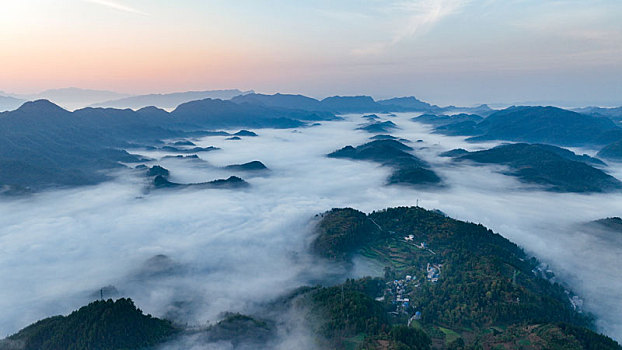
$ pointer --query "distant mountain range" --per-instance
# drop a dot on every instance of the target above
(169, 101)
(42, 144)
(71, 98)
(76, 98)
(531, 124)
(352, 104)
(614, 114)
(8, 103)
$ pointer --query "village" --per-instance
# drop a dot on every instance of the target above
(398, 291)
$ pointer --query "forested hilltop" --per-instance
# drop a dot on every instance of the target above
(103, 325)
(447, 284)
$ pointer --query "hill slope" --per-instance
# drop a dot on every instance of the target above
(530, 124)
(104, 325)
(43, 145)
(612, 151)
(548, 125)
(458, 282)
(557, 169)
(408, 169)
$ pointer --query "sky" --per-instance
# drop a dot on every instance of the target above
(443, 51)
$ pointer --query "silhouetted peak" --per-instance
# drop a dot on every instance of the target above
(151, 109)
(361, 98)
(201, 104)
(40, 106)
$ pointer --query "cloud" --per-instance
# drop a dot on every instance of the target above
(238, 250)
(117, 6)
(421, 15)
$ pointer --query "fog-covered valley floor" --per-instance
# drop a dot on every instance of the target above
(191, 254)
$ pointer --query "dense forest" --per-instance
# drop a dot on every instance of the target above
(101, 325)
(482, 289)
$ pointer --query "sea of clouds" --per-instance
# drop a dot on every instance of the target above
(192, 254)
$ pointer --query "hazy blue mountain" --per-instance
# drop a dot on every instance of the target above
(483, 110)
(453, 125)
(547, 125)
(160, 180)
(8, 103)
(73, 98)
(157, 170)
(558, 170)
(442, 119)
(254, 165)
(232, 182)
(612, 151)
(565, 153)
(245, 133)
(383, 137)
(42, 144)
(371, 117)
(454, 153)
(335, 104)
(407, 168)
(281, 101)
(612, 223)
(387, 137)
(465, 128)
(614, 114)
(226, 114)
(170, 100)
(174, 149)
(184, 143)
(352, 104)
(243, 332)
(550, 125)
(379, 127)
(410, 103)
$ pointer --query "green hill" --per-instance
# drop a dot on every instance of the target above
(102, 325)
(483, 290)
(555, 168)
(408, 169)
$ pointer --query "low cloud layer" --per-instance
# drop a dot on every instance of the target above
(232, 250)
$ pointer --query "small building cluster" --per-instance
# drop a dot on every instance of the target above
(397, 292)
(433, 272)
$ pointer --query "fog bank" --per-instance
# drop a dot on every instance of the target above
(233, 250)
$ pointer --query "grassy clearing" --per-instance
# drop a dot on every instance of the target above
(449, 335)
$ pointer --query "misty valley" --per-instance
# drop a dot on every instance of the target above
(285, 222)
